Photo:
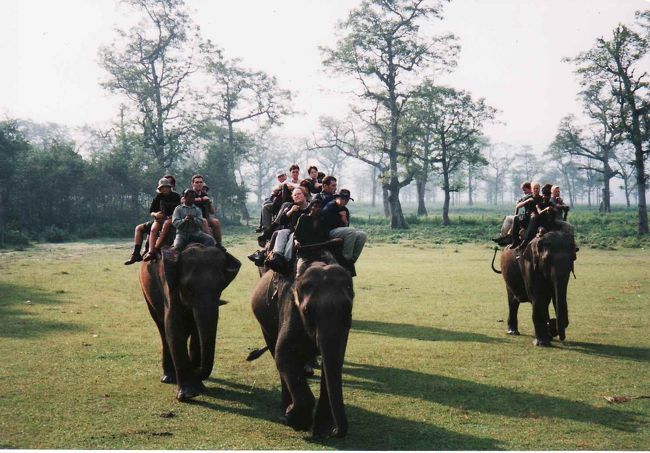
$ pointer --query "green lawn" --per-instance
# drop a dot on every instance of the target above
(428, 366)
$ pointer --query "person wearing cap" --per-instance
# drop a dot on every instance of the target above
(161, 207)
(188, 221)
(336, 217)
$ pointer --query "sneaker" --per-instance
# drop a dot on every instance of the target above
(503, 240)
(135, 257)
(150, 256)
(277, 263)
(258, 258)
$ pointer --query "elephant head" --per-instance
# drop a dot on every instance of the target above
(323, 295)
(183, 291)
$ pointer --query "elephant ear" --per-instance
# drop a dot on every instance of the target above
(170, 258)
(230, 269)
(535, 254)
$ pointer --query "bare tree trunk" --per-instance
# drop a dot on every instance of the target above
(374, 187)
(445, 206)
(421, 186)
(384, 193)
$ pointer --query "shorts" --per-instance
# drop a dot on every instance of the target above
(149, 224)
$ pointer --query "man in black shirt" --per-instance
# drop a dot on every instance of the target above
(336, 217)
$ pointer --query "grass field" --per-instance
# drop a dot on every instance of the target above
(428, 366)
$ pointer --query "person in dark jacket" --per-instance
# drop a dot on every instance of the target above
(336, 218)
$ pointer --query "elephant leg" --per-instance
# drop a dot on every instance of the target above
(169, 372)
(540, 320)
(188, 383)
(513, 309)
(290, 365)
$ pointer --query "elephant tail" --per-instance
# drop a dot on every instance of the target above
(256, 353)
(493, 258)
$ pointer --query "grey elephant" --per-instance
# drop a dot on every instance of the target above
(183, 296)
(539, 275)
(310, 314)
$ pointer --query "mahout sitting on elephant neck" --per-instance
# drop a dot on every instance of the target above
(183, 292)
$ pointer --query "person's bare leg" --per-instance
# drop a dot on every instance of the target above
(152, 242)
(163, 233)
(216, 229)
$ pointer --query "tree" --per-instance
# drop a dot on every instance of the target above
(499, 161)
(617, 63)
(151, 65)
(598, 140)
(12, 145)
(450, 123)
(625, 163)
(381, 47)
(239, 95)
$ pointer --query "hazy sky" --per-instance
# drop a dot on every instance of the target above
(511, 55)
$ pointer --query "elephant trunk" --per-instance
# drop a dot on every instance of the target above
(206, 320)
(561, 281)
(332, 348)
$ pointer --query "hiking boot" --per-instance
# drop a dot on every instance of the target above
(135, 257)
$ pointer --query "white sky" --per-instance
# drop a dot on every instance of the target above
(511, 55)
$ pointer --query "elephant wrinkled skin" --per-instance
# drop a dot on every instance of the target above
(540, 275)
(312, 314)
(182, 295)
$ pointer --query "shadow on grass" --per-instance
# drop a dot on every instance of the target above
(21, 320)
(608, 350)
(483, 398)
(368, 430)
(420, 332)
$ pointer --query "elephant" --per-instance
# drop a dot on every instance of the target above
(539, 275)
(310, 313)
(183, 291)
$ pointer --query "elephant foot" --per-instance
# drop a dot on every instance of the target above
(168, 379)
(187, 392)
(325, 431)
(545, 342)
(512, 331)
(299, 419)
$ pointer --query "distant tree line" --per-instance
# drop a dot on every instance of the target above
(189, 109)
